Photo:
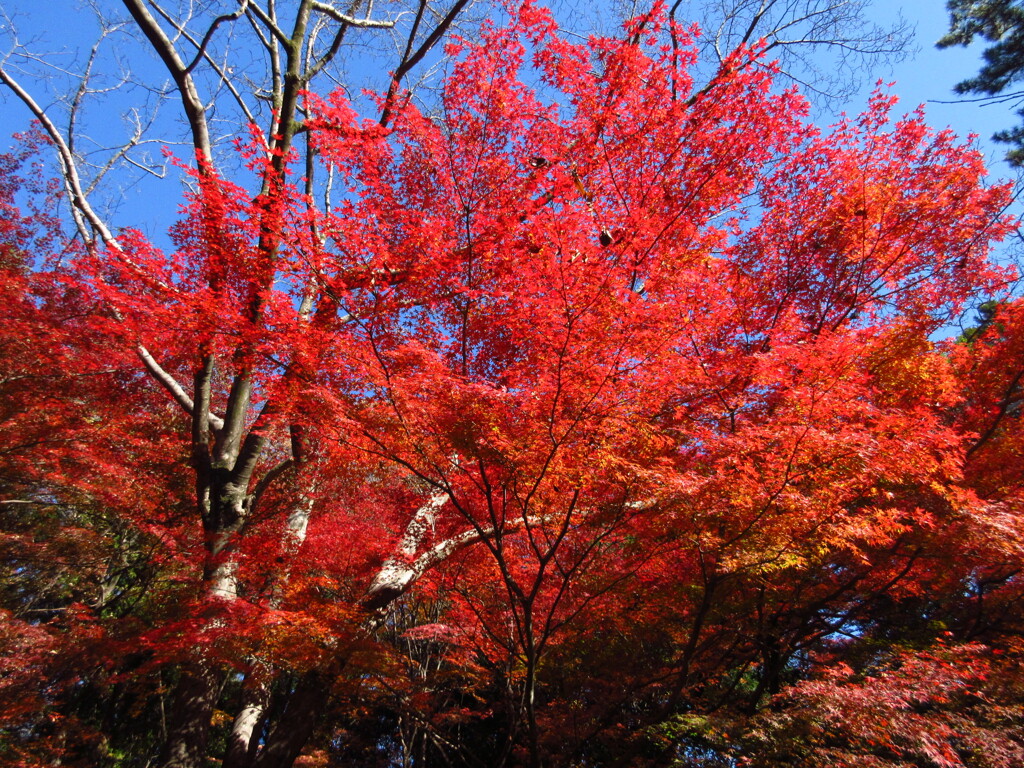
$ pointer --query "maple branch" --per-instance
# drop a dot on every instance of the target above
(230, 437)
(395, 576)
(402, 570)
(1003, 409)
(393, 580)
(410, 60)
(267, 480)
(252, 447)
(200, 433)
(171, 385)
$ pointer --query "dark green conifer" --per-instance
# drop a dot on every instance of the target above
(1002, 23)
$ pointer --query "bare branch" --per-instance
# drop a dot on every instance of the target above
(313, 69)
(410, 60)
(270, 23)
(201, 47)
(203, 54)
(171, 385)
(790, 29)
(194, 108)
(80, 207)
(122, 153)
(349, 21)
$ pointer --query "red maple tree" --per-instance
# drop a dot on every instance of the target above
(595, 419)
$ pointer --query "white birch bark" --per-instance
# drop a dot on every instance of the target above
(256, 696)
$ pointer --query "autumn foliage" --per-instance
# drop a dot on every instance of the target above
(597, 420)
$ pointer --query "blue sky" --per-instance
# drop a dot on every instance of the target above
(929, 77)
(926, 77)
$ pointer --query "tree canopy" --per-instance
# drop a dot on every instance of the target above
(591, 417)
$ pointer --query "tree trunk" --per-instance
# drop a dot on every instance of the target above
(296, 724)
(243, 742)
(189, 723)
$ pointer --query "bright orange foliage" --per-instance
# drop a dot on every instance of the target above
(595, 422)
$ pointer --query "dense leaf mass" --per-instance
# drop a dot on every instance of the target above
(596, 421)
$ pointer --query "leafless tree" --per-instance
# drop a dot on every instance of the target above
(827, 47)
(183, 74)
